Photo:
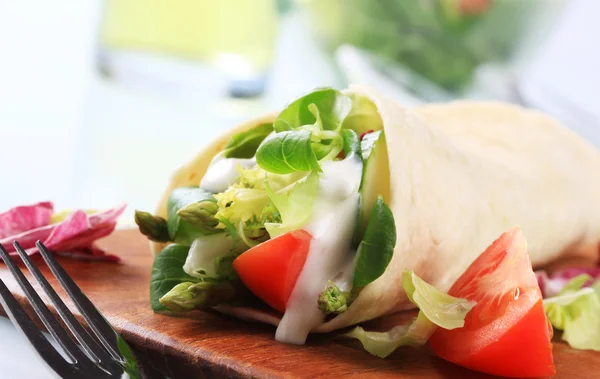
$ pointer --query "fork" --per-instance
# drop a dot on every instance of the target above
(107, 356)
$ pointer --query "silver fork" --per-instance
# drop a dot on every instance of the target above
(88, 358)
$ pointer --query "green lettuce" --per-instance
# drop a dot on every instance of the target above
(288, 152)
(363, 116)
(351, 143)
(246, 206)
(436, 309)
(244, 144)
(334, 107)
(309, 131)
(294, 207)
(576, 311)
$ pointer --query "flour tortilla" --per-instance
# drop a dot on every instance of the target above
(461, 174)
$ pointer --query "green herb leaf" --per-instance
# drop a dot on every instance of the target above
(377, 247)
(325, 144)
(130, 365)
(167, 272)
(244, 144)
(375, 179)
(180, 231)
(436, 309)
(294, 207)
(333, 107)
(351, 142)
(288, 152)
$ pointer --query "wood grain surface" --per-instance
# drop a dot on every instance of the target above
(210, 345)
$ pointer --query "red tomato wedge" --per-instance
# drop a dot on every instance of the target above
(270, 270)
(507, 332)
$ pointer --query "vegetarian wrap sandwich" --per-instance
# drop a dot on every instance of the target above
(306, 219)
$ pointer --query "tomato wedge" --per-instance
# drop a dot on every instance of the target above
(270, 270)
(507, 332)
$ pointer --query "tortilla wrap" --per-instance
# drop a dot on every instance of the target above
(461, 174)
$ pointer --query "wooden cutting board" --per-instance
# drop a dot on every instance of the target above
(210, 345)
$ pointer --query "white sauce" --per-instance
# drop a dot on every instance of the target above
(330, 257)
(222, 172)
(204, 252)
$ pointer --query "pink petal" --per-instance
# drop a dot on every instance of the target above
(74, 236)
(74, 224)
(82, 239)
(24, 218)
(27, 239)
(110, 215)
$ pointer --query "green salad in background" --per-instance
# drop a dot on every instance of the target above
(441, 40)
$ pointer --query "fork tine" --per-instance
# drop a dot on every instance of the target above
(22, 321)
(90, 346)
(101, 328)
(42, 311)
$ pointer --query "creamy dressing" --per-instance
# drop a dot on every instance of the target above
(222, 172)
(330, 256)
(204, 253)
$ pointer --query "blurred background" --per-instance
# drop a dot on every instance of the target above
(101, 99)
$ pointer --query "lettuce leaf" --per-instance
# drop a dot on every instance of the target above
(246, 200)
(245, 207)
(294, 207)
(334, 107)
(436, 309)
(576, 311)
(309, 131)
(244, 144)
(241, 204)
(288, 152)
(363, 116)
(351, 143)
(382, 344)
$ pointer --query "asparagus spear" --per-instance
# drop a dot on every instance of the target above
(153, 227)
(188, 296)
(200, 214)
(333, 300)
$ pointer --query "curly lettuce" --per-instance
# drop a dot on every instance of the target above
(576, 311)
(294, 206)
(436, 309)
(250, 207)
